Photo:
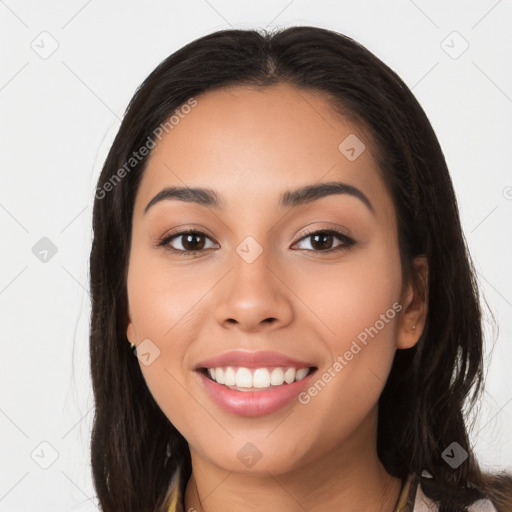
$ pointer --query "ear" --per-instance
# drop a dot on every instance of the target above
(414, 300)
(131, 335)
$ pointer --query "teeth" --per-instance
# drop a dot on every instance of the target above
(261, 378)
(243, 378)
(277, 377)
(301, 373)
(229, 377)
(289, 375)
(258, 378)
(219, 375)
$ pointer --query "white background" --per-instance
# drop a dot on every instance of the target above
(59, 116)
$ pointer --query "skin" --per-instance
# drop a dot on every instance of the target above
(250, 145)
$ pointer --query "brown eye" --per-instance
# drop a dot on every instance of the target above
(192, 241)
(186, 242)
(324, 240)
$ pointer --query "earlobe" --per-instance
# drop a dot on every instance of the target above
(130, 330)
(415, 305)
(130, 333)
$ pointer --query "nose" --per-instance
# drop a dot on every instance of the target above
(254, 297)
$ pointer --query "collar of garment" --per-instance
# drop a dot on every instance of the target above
(411, 499)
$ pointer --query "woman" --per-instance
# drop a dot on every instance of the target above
(277, 237)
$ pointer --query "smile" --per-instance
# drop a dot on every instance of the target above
(256, 391)
(253, 379)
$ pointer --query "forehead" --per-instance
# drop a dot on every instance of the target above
(262, 140)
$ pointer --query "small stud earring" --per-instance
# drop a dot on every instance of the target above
(414, 327)
(134, 348)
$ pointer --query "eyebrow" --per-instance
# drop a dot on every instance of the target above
(289, 199)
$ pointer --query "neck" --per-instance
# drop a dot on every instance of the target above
(348, 478)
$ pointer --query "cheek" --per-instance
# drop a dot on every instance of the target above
(351, 295)
(162, 297)
(166, 307)
(357, 303)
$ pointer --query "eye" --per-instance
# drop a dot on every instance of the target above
(323, 240)
(191, 242)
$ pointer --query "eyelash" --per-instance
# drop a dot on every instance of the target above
(347, 242)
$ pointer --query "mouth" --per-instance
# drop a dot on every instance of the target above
(256, 379)
(254, 392)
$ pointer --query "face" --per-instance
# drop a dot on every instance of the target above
(309, 282)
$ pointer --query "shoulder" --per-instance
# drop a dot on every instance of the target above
(413, 499)
(424, 504)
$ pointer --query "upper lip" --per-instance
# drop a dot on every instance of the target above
(260, 359)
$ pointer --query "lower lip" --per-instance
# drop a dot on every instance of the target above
(253, 403)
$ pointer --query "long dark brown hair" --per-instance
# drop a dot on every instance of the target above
(135, 450)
